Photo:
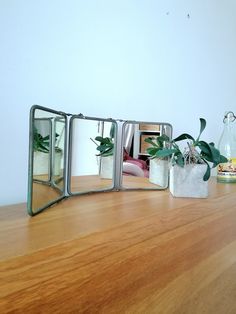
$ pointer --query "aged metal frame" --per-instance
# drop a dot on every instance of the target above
(117, 183)
(31, 162)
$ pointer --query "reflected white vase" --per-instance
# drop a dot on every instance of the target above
(41, 163)
(57, 164)
(158, 172)
(188, 181)
(106, 167)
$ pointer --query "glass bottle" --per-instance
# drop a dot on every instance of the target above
(226, 172)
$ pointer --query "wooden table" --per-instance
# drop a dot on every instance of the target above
(121, 252)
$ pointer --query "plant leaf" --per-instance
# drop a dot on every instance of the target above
(161, 139)
(223, 159)
(202, 127)
(166, 152)
(210, 153)
(152, 150)
(99, 138)
(183, 136)
(207, 173)
(46, 138)
(205, 148)
(180, 160)
(150, 141)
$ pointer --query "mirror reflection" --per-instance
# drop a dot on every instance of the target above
(47, 142)
(104, 154)
(92, 144)
(141, 170)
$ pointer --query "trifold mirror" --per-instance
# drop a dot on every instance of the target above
(73, 154)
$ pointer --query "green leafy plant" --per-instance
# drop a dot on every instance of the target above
(106, 144)
(41, 143)
(158, 143)
(196, 151)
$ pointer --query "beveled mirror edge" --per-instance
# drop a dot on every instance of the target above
(30, 160)
(70, 149)
(122, 188)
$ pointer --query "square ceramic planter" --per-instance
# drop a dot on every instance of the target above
(106, 167)
(57, 164)
(41, 163)
(188, 181)
(158, 172)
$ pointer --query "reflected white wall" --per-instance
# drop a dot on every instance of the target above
(84, 159)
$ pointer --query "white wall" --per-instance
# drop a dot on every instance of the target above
(146, 60)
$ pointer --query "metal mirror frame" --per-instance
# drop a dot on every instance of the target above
(57, 120)
(67, 171)
(70, 154)
(50, 150)
(31, 162)
(161, 124)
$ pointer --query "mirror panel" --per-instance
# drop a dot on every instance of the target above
(47, 158)
(105, 154)
(139, 170)
(91, 169)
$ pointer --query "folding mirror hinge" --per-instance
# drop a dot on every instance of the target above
(131, 121)
(80, 115)
(64, 113)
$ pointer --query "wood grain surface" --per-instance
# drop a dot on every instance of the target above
(121, 252)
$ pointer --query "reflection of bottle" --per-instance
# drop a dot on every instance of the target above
(227, 147)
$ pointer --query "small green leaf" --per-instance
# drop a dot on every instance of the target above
(161, 139)
(207, 173)
(99, 138)
(46, 138)
(150, 141)
(180, 160)
(166, 152)
(223, 159)
(202, 127)
(107, 140)
(165, 138)
(106, 146)
(182, 137)
(204, 146)
(215, 154)
(152, 150)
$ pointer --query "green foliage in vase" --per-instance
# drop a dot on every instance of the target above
(106, 146)
(196, 151)
(158, 143)
(42, 143)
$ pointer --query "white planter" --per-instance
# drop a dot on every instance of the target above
(41, 163)
(188, 181)
(57, 164)
(106, 168)
(158, 172)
